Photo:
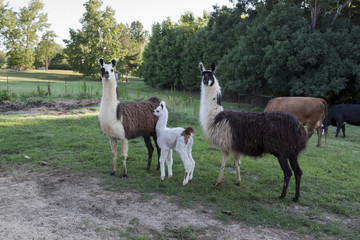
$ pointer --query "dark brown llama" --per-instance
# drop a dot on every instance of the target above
(252, 134)
(126, 120)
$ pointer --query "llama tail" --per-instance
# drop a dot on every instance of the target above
(187, 133)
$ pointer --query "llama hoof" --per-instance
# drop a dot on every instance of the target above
(238, 184)
(112, 174)
(295, 199)
(217, 184)
(170, 176)
(162, 178)
(125, 176)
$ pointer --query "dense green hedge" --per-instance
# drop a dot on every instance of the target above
(275, 48)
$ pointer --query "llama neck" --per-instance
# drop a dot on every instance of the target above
(209, 106)
(109, 90)
(162, 121)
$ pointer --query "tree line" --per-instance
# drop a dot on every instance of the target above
(100, 35)
(260, 47)
(277, 48)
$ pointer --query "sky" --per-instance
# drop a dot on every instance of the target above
(66, 14)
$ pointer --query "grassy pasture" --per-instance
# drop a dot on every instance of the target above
(329, 205)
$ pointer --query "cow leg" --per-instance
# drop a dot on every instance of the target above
(319, 132)
(287, 174)
(150, 149)
(340, 123)
(343, 130)
(297, 172)
(310, 133)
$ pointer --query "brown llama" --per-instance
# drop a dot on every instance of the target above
(126, 120)
(252, 134)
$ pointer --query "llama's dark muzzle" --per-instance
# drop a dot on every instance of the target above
(208, 78)
(106, 75)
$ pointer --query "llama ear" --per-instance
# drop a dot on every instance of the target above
(163, 104)
(113, 62)
(213, 67)
(101, 62)
(201, 67)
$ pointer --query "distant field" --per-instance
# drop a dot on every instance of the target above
(329, 206)
(63, 84)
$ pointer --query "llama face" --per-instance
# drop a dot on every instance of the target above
(160, 109)
(107, 70)
(207, 75)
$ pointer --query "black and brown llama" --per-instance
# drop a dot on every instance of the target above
(251, 134)
(125, 120)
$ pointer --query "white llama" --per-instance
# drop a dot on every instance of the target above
(179, 138)
(125, 120)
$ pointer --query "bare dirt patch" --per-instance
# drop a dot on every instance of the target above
(57, 204)
(52, 107)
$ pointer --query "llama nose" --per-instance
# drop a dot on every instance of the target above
(106, 74)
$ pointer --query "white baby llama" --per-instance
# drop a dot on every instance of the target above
(179, 138)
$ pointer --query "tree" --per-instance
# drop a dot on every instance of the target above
(164, 56)
(21, 34)
(2, 59)
(95, 39)
(131, 61)
(99, 36)
(46, 49)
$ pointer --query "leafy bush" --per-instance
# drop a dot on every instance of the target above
(5, 95)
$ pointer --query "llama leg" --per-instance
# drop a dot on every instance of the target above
(113, 145)
(225, 156)
(187, 165)
(169, 163)
(158, 151)
(163, 156)
(181, 149)
(124, 151)
(192, 161)
(237, 157)
(297, 172)
(287, 174)
(150, 149)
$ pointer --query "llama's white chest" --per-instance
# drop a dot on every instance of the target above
(109, 123)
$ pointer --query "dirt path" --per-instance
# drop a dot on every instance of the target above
(56, 204)
(38, 106)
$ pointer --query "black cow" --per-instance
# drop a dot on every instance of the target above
(341, 114)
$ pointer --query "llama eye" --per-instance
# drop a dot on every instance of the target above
(112, 70)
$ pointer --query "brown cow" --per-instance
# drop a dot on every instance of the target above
(310, 111)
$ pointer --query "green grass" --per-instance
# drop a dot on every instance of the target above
(329, 205)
